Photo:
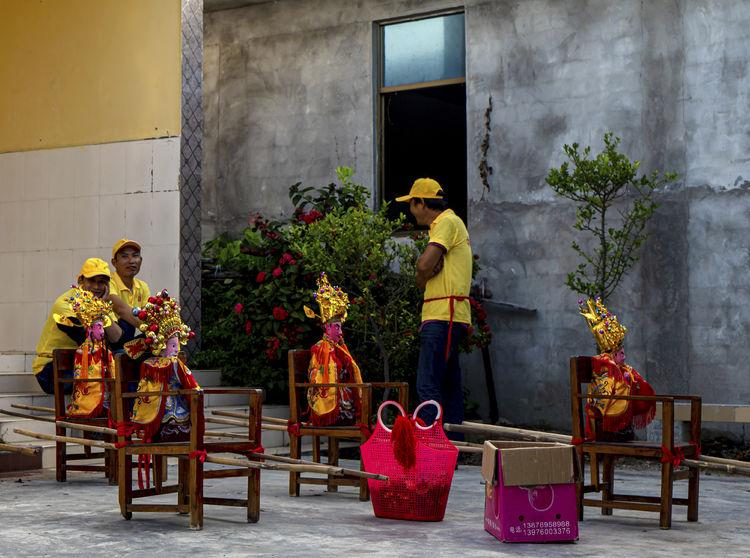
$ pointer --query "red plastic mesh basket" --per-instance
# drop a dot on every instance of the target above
(421, 492)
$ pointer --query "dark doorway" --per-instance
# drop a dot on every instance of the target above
(424, 135)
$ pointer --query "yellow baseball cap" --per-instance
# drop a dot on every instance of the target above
(93, 267)
(122, 243)
(425, 188)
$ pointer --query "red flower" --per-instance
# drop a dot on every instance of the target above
(277, 272)
(260, 277)
(292, 262)
(280, 314)
(238, 308)
(248, 327)
(310, 217)
(286, 258)
(272, 348)
(485, 328)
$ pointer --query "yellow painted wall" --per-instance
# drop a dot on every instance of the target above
(77, 72)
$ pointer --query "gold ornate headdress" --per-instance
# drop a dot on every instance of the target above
(608, 332)
(161, 320)
(87, 308)
(333, 302)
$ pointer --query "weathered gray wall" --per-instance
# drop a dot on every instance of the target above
(289, 95)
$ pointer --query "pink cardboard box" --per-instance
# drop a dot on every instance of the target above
(530, 491)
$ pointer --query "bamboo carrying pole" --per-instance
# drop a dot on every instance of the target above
(346, 471)
(706, 462)
(79, 441)
(24, 415)
(272, 420)
(231, 422)
(33, 408)
(19, 449)
(293, 467)
(87, 427)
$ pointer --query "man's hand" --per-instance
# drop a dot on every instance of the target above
(429, 264)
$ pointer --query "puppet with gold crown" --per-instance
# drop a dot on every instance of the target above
(331, 362)
(93, 359)
(162, 418)
(611, 376)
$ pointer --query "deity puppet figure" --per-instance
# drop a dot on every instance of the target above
(93, 359)
(611, 376)
(160, 418)
(331, 362)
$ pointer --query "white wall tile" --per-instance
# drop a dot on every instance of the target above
(62, 169)
(10, 226)
(11, 265)
(86, 222)
(32, 322)
(138, 165)
(11, 176)
(12, 363)
(60, 272)
(112, 169)
(166, 164)
(10, 332)
(37, 174)
(34, 225)
(62, 224)
(111, 219)
(34, 276)
(87, 170)
(165, 217)
(138, 217)
(161, 268)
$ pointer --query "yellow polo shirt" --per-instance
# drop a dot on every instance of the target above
(449, 232)
(53, 337)
(138, 296)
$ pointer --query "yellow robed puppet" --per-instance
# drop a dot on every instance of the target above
(611, 376)
(93, 359)
(331, 362)
(162, 418)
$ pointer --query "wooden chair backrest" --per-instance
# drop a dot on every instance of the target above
(580, 374)
(299, 360)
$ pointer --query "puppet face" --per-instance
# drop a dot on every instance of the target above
(96, 331)
(333, 331)
(620, 356)
(172, 348)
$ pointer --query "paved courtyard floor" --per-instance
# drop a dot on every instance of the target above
(40, 517)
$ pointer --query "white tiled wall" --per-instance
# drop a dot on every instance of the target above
(61, 206)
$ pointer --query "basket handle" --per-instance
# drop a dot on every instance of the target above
(383, 405)
(419, 408)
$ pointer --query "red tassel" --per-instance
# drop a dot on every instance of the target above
(404, 442)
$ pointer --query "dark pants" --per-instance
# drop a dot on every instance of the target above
(47, 383)
(437, 378)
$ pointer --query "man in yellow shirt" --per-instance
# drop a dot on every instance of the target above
(94, 276)
(127, 291)
(444, 273)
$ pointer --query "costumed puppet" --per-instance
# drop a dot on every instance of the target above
(162, 418)
(93, 358)
(331, 362)
(611, 376)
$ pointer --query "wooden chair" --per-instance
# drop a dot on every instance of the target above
(191, 474)
(299, 360)
(608, 453)
(63, 360)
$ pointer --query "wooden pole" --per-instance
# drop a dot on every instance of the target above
(706, 465)
(33, 408)
(348, 472)
(220, 434)
(24, 415)
(19, 449)
(87, 427)
(275, 427)
(226, 421)
(490, 430)
(79, 441)
(272, 420)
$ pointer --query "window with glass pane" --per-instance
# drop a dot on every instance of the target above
(424, 50)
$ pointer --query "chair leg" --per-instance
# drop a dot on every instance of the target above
(364, 489)
(253, 496)
(594, 468)
(60, 454)
(195, 488)
(159, 465)
(580, 482)
(125, 483)
(693, 488)
(183, 495)
(608, 481)
(333, 459)
(665, 517)
(294, 453)
(316, 449)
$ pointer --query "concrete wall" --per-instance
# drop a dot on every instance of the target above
(289, 86)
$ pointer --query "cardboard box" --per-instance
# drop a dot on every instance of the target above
(530, 491)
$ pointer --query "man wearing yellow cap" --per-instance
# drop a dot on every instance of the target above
(127, 291)
(444, 273)
(94, 277)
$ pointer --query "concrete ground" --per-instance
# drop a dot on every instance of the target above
(39, 517)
